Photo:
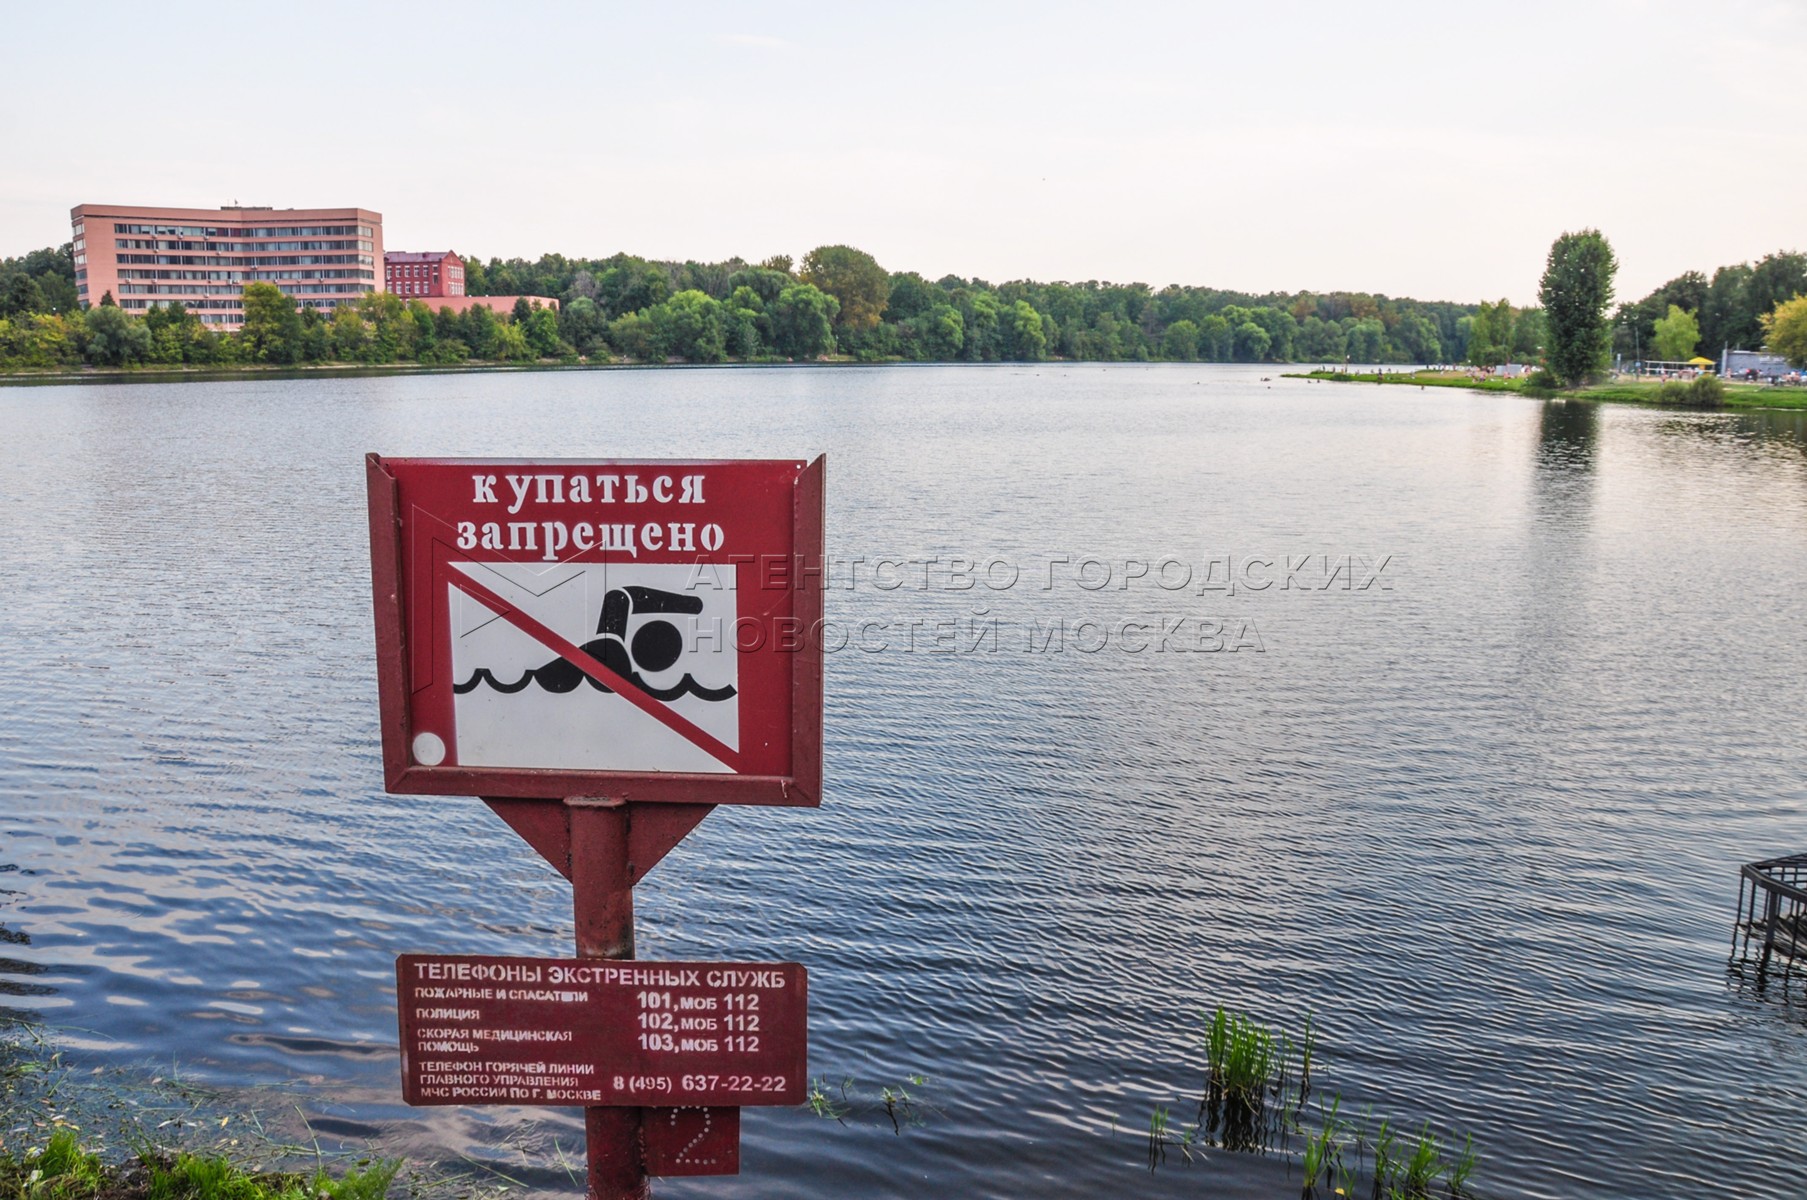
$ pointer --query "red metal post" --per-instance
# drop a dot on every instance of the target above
(603, 903)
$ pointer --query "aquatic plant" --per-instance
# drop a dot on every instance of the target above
(1240, 1052)
(899, 1104)
(1157, 1136)
(1257, 1082)
(1424, 1166)
(1307, 1048)
(825, 1105)
(1244, 1062)
(1386, 1166)
(1463, 1167)
(1323, 1154)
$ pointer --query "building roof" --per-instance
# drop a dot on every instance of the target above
(224, 213)
(417, 256)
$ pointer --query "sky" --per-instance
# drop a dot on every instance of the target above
(1431, 150)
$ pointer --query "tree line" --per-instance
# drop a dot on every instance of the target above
(840, 300)
(1693, 314)
(378, 328)
(837, 301)
(1743, 306)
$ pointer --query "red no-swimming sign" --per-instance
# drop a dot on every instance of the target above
(648, 630)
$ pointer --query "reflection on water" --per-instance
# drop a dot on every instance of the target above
(1568, 435)
(1483, 821)
(1567, 447)
(19, 978)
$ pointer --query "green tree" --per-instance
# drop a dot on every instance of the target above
(1366, 340)
(476, 278)
(1417, 337)
(1787, 329)
(42, 340)
(1726, 317)
(1576, 290)
(1634, 329)
(766, 285)
(911, 296)
(425, 337)
(1180, 342)
(1216, 340)
(1676, 336)
(480, 331)
(20, 296)
(271, 330)
(1280, 328)
(391, 329)
(630, 285)
(510, 343)
(853, 278)
(1252, 342)
(1776, 279)
(803, 321)
(541, 328)
(941, 332)
(1024, 339)
(1529, 335)
(453, 330)
(980, 314)
(744, 319)
(583, 324)
(689, 326)
(632, 334)
(1319, 340)
(59, 293)
(1490, 334)
(116, 340)
(166, 346)
(172, 330)
(347, 334)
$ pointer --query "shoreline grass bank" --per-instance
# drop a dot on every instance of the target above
(1737, 395)
(139, 1133)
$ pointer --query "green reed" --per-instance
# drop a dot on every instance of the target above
(1258, 1079)
(1424, 1166)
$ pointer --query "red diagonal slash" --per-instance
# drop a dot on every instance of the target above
(624, 688)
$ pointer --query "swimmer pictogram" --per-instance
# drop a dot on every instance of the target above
(655, 646)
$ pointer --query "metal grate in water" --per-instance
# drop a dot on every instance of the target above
(1772, 913)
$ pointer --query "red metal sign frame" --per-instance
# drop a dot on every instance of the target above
(396, 657)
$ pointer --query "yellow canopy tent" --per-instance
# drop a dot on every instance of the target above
(1701, 362)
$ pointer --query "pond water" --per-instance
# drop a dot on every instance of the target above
(1474, 797)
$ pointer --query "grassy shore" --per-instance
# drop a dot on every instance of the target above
(1624, 391)
(61, 1169)
(68, 1133)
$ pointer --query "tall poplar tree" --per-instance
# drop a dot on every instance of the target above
(1577, 289)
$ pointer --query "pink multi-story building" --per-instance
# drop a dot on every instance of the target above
(411, 273)
(202, 258)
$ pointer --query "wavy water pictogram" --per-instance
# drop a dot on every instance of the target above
(560, 676)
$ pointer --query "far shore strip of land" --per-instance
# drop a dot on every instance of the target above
(1618, 391)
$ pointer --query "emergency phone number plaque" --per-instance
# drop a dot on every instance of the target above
(594, 1032)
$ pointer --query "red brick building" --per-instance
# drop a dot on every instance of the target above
(410, 273)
